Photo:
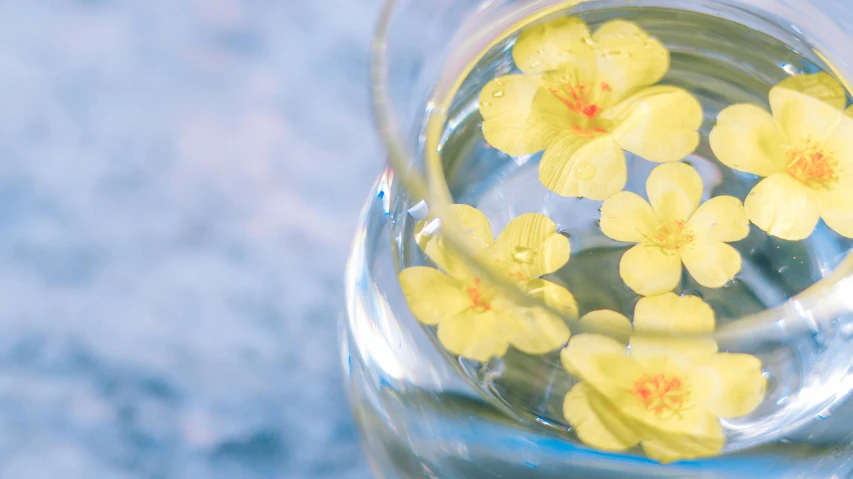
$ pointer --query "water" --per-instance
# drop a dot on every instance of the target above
(433, 418)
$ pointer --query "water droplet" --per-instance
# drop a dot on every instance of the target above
(540, 51)
(585, 171)
(587, 40)
(487, 104)
(499, 82)
(523, 255)
(498, 93)
(536, 64)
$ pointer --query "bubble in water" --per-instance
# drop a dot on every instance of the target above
(498, 93)
(585, 171)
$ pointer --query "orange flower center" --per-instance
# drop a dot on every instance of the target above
(812, 165)
(479, 301)
(579, 99)
(661, 394)
(673, 236)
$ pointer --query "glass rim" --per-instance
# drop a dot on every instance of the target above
(821, 302)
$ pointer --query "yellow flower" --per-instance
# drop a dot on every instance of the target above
(584, 99)
(805, 151)
(474, 320)
(664, 394)
(674, 230)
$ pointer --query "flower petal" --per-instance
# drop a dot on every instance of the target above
(660, 124)
(712, 263)
(579, 412)
(675, 191)
(539, 331)
(477, 234)
(818, 85)
(747, 139)
(627, 217)
(801, 116)
(701, 437)
(520, 116)
(721, 218)
(783, 207)
(849, 111)
(551, 44)
(647, 270)
(584, 350)
(671, 313)
(532, 247)
(554, 296)
(837, 210)
(649, 351)
(575, 166)
(432, 295)
(474, 335)
(613, 322)
(733, 384)
(837, 204)
(628, 58)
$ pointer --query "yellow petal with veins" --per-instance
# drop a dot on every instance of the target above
(611, 321)
(475, 232)
(432, 295)
(628, 58)
(593, 169)
(849, 111)
(532, 247)
(627, 217)
(551, 44)
(732, 385)
(647, 270)
(659, 125)
(475, 335)
(746, 138)
(578, 411)
(711, 263)
(783, 207)
(520, 116)
(671, 313)
(801, 116)
(721, 218)
(818, 85)
(674, 191)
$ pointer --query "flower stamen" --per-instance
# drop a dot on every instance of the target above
(661, 394)
(479, 303)
(674, 236)
(812, 165)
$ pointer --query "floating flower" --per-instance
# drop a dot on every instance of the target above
(664, 394)
(805, 151)
(584, 99)
(474, 320)
(674, 230)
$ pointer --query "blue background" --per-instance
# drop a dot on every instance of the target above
(179, 183)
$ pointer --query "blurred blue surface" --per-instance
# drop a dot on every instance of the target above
(179, 183)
